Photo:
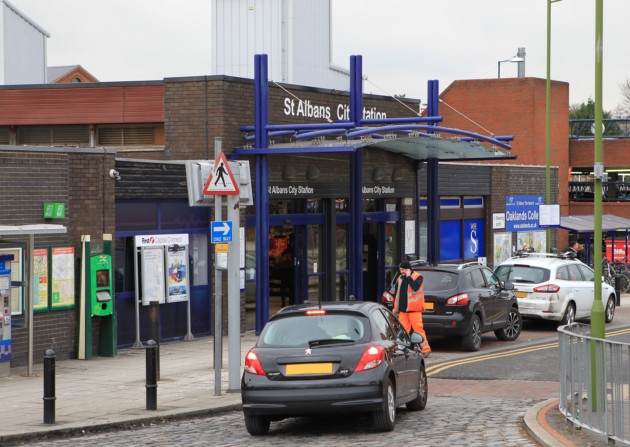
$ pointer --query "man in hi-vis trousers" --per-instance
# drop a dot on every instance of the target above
(409, 302)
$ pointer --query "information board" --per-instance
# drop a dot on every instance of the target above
(62, 277)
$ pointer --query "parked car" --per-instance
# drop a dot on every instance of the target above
(464, 301)
(555, 287)
(332, 357)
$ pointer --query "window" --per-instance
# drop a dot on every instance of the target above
(61, 135)
(130, 135)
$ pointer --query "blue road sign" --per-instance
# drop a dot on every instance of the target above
(221, 231)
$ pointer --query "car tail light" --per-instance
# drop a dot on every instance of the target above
(458, 300)
(547, 288)
(371, 358)
(315, 313)
(387, 297)
(252, 364)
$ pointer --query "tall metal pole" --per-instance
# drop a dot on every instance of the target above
(218, 292)
(597, 313)
(548, 121)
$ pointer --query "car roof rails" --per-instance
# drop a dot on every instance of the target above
(556, 254)
(459, 266)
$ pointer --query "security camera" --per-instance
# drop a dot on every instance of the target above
(114, 174)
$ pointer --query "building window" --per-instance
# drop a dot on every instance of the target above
(62, 135)
(5, 135)
(130, 135)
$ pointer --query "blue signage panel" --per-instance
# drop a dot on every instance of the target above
(473, 238)
(521, 213)
(221, 231)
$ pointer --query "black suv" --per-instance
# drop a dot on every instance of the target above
(465, 301)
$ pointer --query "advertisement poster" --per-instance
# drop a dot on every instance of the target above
(502, 247)
(40, 279)
(473, 238)
(152, 275)
(62, 278)
(177, 271)
(532, 240)
(16, 275)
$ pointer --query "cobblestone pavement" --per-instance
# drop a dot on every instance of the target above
(494, 422)
(459, 413)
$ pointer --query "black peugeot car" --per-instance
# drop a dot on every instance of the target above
(464, 301)
(332, 357)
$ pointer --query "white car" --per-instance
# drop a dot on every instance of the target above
(554, 287)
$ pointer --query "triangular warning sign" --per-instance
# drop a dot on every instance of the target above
(221, 180)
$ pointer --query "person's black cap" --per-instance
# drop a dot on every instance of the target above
(405, 265)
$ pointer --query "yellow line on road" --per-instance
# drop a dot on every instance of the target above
(436, 369)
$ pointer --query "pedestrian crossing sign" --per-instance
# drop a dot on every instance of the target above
(221, 180)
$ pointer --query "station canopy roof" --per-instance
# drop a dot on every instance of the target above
(585, 223)
(416, 148)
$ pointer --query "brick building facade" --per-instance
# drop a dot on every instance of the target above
(155, 126)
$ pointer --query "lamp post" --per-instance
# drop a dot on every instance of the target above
(514, 59)
(548, 120)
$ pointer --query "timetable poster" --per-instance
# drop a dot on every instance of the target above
(62, 278)
(152, 275)
(40, 279)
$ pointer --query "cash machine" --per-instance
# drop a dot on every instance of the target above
(5, 309)
(101, 286)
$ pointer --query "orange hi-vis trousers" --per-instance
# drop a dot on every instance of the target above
(413, 320)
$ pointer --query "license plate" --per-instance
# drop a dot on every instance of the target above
(309, 368)
(521, 294)
(428, 306)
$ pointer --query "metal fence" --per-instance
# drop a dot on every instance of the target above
(594, 382)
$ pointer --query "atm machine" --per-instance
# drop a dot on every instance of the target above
(5, 308)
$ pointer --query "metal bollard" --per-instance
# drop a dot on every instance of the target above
(49, 387)
(154, 319)
(151, 366)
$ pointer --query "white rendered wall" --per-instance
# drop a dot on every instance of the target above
(295, 34)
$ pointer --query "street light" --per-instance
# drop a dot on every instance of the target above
(514, 59)
(548, 120)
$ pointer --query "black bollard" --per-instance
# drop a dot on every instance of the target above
(151, 386)
(154, 319)
(49, 387)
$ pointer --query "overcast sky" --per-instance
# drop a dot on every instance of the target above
(404, 43)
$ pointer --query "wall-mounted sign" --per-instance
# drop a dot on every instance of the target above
(54, 210)
(498, 221)
(521, 212)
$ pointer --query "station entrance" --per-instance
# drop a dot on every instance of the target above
(301, 256)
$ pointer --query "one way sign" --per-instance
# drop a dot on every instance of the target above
(221, 231)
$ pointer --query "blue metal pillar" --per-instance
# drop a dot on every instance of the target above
(356, 183)
(261, 120)
(433, 195)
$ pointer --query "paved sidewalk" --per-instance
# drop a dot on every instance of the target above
(107, 391)
(110, 391)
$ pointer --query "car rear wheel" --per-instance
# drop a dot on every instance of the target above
(385, 418)
(257, 425)
(569, 315)
(420, 402)
(513, 326)
(472, 340)
(610, 309)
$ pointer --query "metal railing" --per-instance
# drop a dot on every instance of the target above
(611, 191)
(612, 128)
(595, 382)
